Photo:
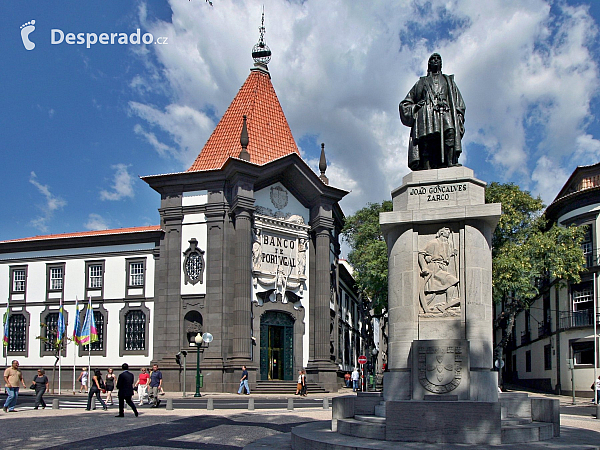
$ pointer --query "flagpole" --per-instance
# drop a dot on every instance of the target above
(91, 311)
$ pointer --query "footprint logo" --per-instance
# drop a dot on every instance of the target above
(26, 30)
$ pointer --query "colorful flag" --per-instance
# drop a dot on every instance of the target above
(77, 323)
(61, 328)
(88, 330)
(5, 321)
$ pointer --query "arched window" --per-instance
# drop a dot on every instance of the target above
(135, 330)
(50, 331)
(17, 333)
(193, 325)
(98, 345)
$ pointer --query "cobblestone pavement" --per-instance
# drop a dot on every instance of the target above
(198, 428)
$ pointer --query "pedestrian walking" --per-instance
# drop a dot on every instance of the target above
(155, 385)
(596, 387)
(244, 381)
(303, 382)
(110, 386)
(12, 378)
(299, 384)
(142, 386)
(355, 378)
(83, 377)
(125, 387)
(96, 386)
(41, 386)
(347, 379)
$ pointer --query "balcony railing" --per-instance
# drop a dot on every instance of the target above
(572, 319)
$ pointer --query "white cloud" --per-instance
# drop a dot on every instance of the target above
(341, 68)
(53, 203)
(122, 185)
(96, 222)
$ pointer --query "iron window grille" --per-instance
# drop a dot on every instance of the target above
(19, 280)
(135, 330)
(95, 276)
(17, 333)
(50, 331)
(136, 273)
(97, 346)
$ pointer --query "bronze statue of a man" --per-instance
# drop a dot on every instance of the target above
(435, 111)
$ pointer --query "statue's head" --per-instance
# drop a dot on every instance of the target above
(443, 232)
(435, 63)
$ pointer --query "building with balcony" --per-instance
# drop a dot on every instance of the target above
(552, 344)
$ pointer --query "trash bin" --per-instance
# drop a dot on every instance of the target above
(201, 378)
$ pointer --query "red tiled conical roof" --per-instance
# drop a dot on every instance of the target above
(268, 129)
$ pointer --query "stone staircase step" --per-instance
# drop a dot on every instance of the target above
(361, 428)
(284, 387)
(515, 421)
(531, 432)
(380, 409)
(372, 419)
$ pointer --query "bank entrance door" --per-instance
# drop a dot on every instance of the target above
(276, 346)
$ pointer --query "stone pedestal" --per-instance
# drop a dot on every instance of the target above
(440, 287)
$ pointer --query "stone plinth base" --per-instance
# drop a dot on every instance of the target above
(443, 422)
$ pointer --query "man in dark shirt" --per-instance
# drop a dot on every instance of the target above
(155, 385)
(244, 381)
(125, 387)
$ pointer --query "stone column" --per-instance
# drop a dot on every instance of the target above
(166, 320)
(242, 284)
(321, 306)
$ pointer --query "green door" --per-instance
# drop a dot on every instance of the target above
(276, 346)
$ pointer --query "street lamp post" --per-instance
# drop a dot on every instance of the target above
(199, 339)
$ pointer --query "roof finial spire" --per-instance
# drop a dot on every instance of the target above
(323, 165)
(261, 53)
(244, 141)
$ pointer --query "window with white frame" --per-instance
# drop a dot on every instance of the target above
(18, 280)
(56, 278)
(136, 273)
(95, 275)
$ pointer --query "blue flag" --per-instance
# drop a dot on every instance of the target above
(61, 326)
(76, 331)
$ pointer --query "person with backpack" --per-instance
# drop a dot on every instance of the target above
(96, 386)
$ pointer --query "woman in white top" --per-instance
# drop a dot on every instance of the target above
(83, 377)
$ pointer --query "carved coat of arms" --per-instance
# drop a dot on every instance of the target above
(440, 368)
(279, 197)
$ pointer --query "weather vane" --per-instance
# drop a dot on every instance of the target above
(261, 53)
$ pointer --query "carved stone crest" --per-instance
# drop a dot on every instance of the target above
(279, 197)
(193, 263)
(440, 368)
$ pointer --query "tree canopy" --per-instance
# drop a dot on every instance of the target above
(527, 251)
(368, 255)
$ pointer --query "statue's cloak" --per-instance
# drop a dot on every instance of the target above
(426, 121)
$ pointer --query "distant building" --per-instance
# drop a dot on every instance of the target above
(559, 326)
(247, 250)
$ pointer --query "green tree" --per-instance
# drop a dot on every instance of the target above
(55, 347)
(527, 253)
(368, 255)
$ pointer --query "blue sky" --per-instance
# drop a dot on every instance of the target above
(79, 125)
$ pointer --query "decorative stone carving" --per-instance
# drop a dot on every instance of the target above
(438, 287)
(279, 197)
(193, 263)
(256, 250)
(302, 245)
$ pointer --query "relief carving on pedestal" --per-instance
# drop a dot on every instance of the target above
(438, 285)
(440, 368)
